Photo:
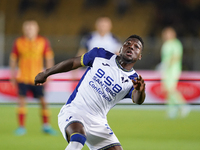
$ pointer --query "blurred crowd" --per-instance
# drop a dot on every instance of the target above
(183, 15)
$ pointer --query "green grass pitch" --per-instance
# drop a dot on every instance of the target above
(139, 129)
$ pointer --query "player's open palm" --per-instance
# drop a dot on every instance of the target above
(40, 78)
(139, 84)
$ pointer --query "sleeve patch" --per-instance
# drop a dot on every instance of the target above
(82, 60)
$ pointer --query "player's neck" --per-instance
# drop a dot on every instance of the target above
(124, 65)
(101, 33)
(31, 38)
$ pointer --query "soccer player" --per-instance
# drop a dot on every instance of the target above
(101, 37)
(28, 52)
(171, 62)
(108, 79)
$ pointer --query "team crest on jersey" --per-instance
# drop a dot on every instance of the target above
(105, 64)
(124, 80)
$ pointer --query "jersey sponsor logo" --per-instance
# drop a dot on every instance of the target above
(109, 81)
(104, 86)
(106, 83)
(98, 90)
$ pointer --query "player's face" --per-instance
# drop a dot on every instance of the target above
(131, 50)
(168, 34)
(103, 25)
(30, 29)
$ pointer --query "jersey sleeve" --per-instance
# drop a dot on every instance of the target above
(14, 54)
(129, 95)
(88, 58)
(167, 51)
(132, 77)
(48, 52)
(178, 49)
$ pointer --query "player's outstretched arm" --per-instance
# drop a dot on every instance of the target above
(63, 66)
(138, 95)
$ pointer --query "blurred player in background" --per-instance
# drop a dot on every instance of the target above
(28, 52)
(102, 37)
(108, 79)
(171, 62)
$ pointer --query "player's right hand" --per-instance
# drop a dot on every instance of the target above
(139, 83)
(40, 79)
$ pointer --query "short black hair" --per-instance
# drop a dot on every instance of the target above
(137, 37)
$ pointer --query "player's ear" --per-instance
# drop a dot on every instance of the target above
(120, 50)
(140, 57)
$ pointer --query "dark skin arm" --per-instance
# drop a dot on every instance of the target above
(138, 95)
(61, 67)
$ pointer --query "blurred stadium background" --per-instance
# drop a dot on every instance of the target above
(64, 22)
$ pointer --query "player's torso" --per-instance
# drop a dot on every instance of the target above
(172, 50)
(30, 58)
(108, 42)
(28, 49)
(104, 85)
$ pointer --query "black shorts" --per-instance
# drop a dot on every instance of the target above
(37, 91)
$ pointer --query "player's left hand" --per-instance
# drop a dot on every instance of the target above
(139, 84)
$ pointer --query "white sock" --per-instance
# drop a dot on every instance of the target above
(74, 146)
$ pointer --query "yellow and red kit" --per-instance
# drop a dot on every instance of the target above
(30, 55)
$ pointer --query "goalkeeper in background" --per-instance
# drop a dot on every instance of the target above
(171, 60)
